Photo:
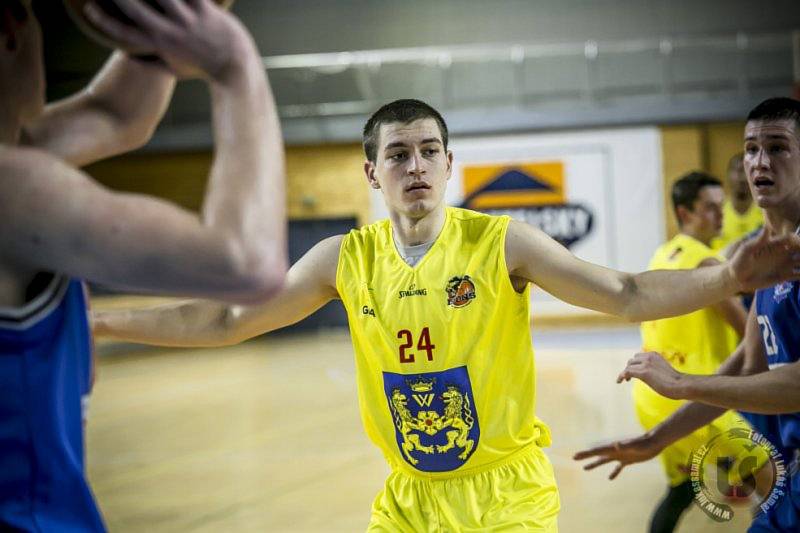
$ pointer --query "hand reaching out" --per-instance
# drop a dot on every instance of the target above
(655, 371)
(625, 452)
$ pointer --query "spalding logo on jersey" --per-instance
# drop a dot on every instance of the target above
(434, 416)
(460, 291)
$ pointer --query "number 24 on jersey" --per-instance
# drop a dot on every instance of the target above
(424, 344)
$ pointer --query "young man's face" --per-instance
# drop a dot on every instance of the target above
(704, 221)
(772, 161)
(411, 166)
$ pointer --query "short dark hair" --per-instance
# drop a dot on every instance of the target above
(777, 109)
(687, 189)
(403, 111)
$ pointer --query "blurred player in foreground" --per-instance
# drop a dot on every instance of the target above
(61, 227)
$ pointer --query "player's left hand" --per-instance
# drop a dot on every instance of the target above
(654, 370)
(765, 261)
(625, 452)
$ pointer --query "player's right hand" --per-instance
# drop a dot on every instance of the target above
(194, 38)
(625, 452)
(765, 260)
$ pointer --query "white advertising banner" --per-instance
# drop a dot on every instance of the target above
(598, 192)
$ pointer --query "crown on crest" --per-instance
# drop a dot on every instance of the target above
(421, 384)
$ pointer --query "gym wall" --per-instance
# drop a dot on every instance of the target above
(323, 181)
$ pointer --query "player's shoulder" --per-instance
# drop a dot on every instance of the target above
(468, 216)
(326, 251)
(367, 233)
(477, 224)
(18, 162)
(332, 243)
(26, 157)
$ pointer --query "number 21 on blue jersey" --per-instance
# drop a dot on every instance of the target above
(770, 343)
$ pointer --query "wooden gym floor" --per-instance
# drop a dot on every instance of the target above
(266, 436)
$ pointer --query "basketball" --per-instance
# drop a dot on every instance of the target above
(75, 10)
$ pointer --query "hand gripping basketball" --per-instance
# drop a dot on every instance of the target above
(194, 38)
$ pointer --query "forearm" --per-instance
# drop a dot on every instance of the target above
(663, 293)
(117, 112)
(689, 418)
(772, 392)
(246, 196)
(188, 323)
(133, 92)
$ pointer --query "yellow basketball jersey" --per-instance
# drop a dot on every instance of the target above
(736, 226)
(444, 361)
(695, 343)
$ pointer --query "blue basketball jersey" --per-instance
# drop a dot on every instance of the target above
(45, 366)
(778, 314)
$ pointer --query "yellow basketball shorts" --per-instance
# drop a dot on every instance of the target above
(676, 458)
(518, 495)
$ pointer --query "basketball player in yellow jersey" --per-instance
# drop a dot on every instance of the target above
(437, 300)
(692, 343)
(740, 215)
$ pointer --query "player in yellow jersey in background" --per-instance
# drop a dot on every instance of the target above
(740, 214)
(693, 343)
(437, 301)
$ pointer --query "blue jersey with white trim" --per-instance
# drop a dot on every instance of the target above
(45, 367)
(778, 315)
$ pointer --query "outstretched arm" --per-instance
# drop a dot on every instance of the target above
(116, 113)
(759, 391)
(534, 256)
(687, 419)
(310, 284)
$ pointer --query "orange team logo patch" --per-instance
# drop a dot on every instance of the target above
(460, 291)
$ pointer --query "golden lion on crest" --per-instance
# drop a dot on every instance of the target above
(457, 416)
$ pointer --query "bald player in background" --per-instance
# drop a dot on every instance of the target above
(740, 215)
(61, 227)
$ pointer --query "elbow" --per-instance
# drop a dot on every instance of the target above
(261, 279)
(229, 330)
(133, 132)
(269, 282)
(630, 308)
(251, 274)
(138, 135)
(631, 313)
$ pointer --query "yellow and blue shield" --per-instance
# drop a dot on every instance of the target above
(436, 425)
